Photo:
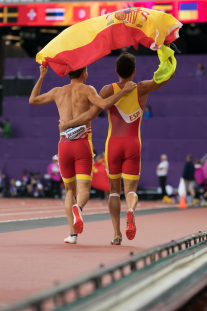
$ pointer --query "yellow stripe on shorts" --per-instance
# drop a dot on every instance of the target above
(114, 176)
(82, 176)
(68, 180)
(131, 177)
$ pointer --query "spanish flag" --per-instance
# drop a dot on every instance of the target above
(90, 40)
(100, 179)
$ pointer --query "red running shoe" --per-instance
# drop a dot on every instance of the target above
(131, 228)
(78, 220)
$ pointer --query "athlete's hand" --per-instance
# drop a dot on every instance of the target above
(129, 86)
(43, 71)
(62, 126)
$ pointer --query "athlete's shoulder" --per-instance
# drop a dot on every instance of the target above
(106, 91)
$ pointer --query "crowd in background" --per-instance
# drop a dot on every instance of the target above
(194, 176)
(31, 184)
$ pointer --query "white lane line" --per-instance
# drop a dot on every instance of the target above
(48, 208)
(49, 217)
(41, 212)
(97, 213)
(29, 212)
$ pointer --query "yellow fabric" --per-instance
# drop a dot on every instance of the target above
(68, 180)
(114, 176)
(131, 177)
(188, 15)
(91, 146)
(82, 176)
(166, 68)
(129, 103)
(154, 24)
(107, 142)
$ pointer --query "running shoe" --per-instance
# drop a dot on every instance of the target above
(116, 241)
(78, 220)
(131, 227)
(72, 239)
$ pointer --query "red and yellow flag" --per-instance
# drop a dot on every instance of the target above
(90, 40)
(100, 179)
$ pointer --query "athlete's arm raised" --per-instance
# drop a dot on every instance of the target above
(106, 103)
(36, 98)
(148, 86)
(89, 115)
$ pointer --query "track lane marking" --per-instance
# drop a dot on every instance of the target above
(84, 214)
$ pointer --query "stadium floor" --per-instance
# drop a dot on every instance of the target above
(33, 255)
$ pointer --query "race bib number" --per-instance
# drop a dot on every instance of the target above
(74, 133)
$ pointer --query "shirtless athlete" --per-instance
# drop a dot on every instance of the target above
(75, 157)
(123, 145)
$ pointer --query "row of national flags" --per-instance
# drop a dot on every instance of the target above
(10, 14)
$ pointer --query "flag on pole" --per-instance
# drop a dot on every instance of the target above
(85, 42)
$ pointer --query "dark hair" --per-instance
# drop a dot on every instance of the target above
(190, 157)
(76, 74)
(125, 65)
(6, 119)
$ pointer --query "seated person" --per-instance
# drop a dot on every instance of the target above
(6, 130)
(35, 188)
(54, 171)
(13, 189)
(200, 180)
(148, 112)
(2, 183)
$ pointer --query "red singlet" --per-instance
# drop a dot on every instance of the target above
(123, 145)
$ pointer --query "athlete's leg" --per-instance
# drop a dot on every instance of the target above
(70, 189)
(130, 191)
(115, 205)
(83, 192)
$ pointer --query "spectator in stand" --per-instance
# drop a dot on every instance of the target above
(54, 172)
(199, 173)
(205, 168)
(200, 71)
(148, 112)
(7, 132)
(201, 182)
(13, 189)
(25, 177)
(25, 180)
(1, 126)
(188, 175)
(2, 183)
(162, 171)
(35, 188)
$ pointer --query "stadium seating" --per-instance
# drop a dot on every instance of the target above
(176, 129)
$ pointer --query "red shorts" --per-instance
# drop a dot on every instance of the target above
(75, 159)
(123, 156)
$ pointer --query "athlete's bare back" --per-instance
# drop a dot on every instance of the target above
(72, 101)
